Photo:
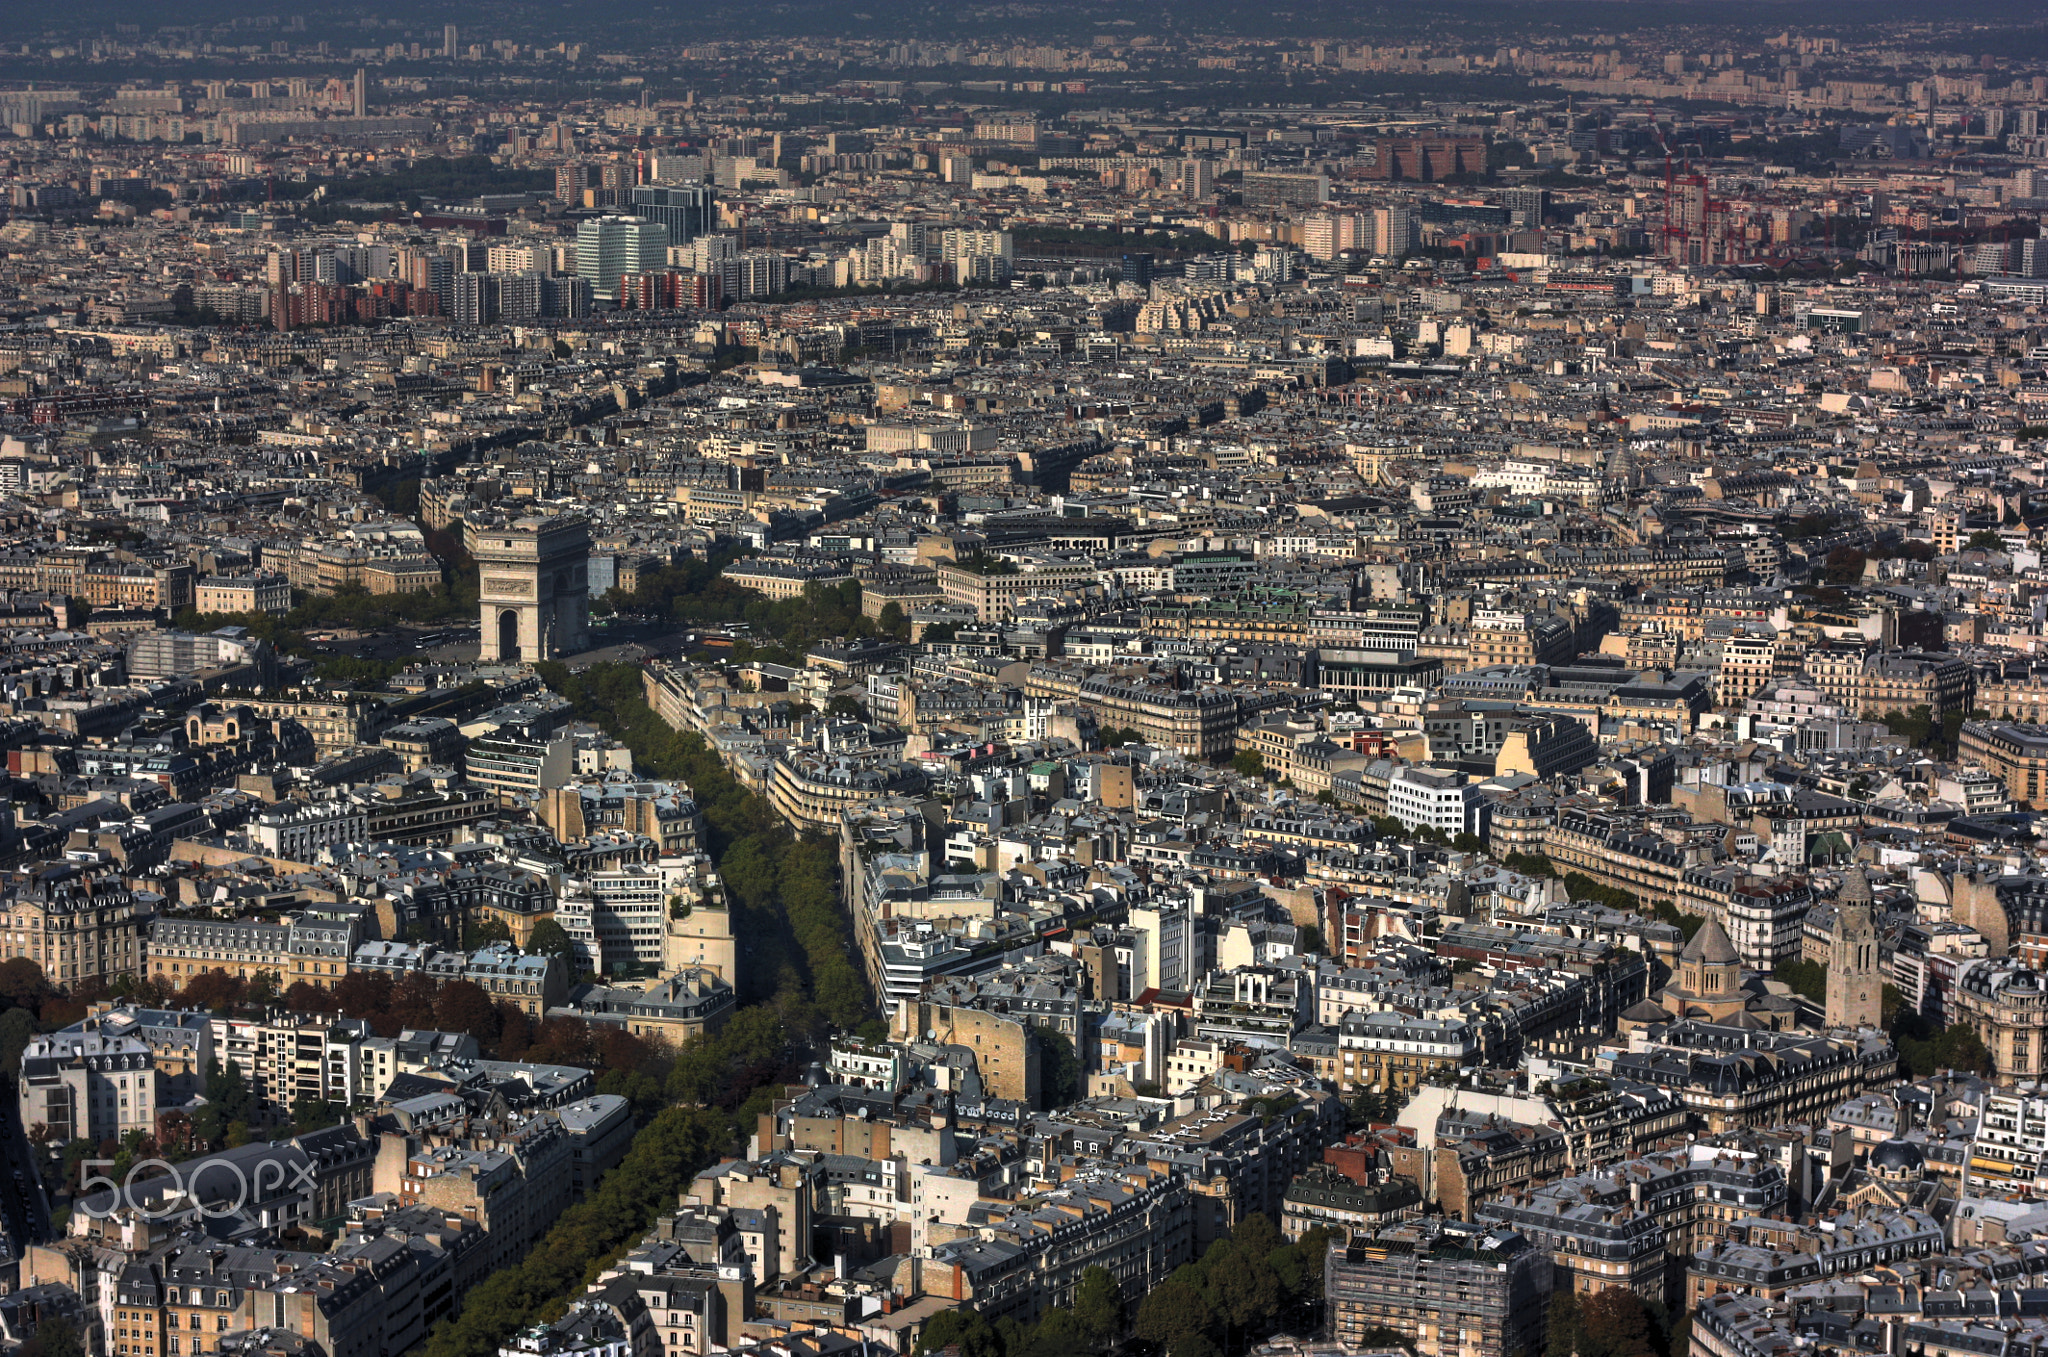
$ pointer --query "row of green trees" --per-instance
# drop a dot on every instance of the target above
(694, 594)
(1368, 1107)
(1583, 887)
(352, 608)
(453, 600)
(783, 890)
(716, 1088)
(1060, 1077)
(1248, 1283)
(1918, 728)
(630, 1066)
(435, 176)
(1094, 1324)
(25, 992)
(1387, 827)
(1808, 979)
(1245, 1286)
(664, 1156)
(1923, 1048)
(1613, 1323)
(797, 984)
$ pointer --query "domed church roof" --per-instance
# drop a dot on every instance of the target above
(1898, 1156)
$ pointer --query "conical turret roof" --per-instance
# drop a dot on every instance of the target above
(1711, 946)
(1855, 887)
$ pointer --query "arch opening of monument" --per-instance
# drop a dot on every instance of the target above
(533, 589)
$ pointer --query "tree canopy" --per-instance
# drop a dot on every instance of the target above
(699, 1101)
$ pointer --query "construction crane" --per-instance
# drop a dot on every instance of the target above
(1665, 234)
(1694, 219)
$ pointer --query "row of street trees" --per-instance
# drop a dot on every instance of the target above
(797, 983)
(1245, 1286)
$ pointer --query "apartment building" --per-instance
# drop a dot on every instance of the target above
(509, 765)
(1389, 1050)
(616, 920)
(1194, 722)
(88, 1085)
(416, 813)
(298, 832)
(1764, 917)
(1770, 1258)
(244, 594)
(688, 1003)
(443, 897)
(301, 1179)
(782, 579)
(812, 791)
(2013, 752)
(1005, 1052)
(286, 1057)
(1631, 1224)
(1748, 663)
(1732, 1078)
(1898, 681)
(1480, 1157)
(513, 1176)
(1613, 851)
(662, 811)
(782, 1186)
(1268, 621)
(702, 938)
(2004, 1000)
(430, 742)
(994, 588)
(334, 723)
(1324, 1198)
(165, 588)
(1245, 1163)
(305, 947)
(76, 921)
(531, 982)
(691, 1308)
(1030, 1256)
(2024, 700)
(1436, 798)
(1518, 639)
(1455, 1290)
(210, 1291)
(2012, 1138)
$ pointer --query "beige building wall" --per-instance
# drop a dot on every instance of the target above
(1003, 1050)
(703, 939)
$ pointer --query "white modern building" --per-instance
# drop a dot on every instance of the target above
(81, 1084)
(609, 246)
(626, 914)
(2012, 1138)
(1438, 798)
(616, 920)
(298, 834)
